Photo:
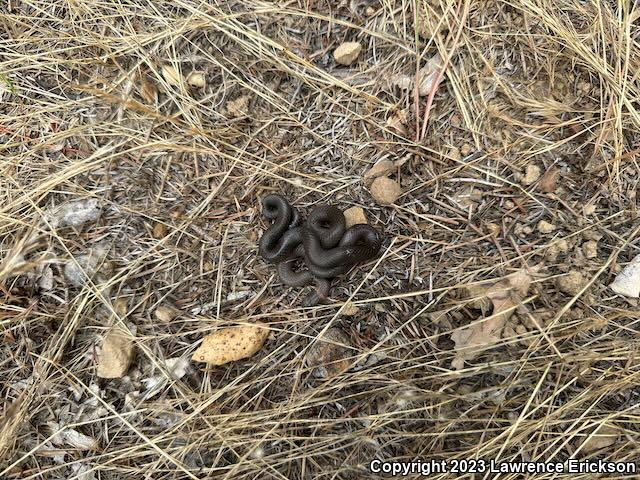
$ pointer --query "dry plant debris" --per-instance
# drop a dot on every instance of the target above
(101, 141)
(329, 355)
(504, 295)
(231, 344)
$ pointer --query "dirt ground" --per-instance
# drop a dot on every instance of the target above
(137, 139)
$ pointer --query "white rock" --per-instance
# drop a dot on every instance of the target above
(627, 282)
(74, 213)
(347, 53)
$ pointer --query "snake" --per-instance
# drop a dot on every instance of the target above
(314, 251)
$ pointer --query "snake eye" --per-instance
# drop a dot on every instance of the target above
(325, 224)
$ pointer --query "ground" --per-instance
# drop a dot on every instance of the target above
(164, 123)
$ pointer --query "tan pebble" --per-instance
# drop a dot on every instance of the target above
(347, 53)
(231, 344)
(589, 209)
(355, 216)
(350, 309)
(590, 249)
(465, 149)
(165, 313)
(116, 354)
(571, 283)
(159, 230)
(545, 227)
(196, 79)
(385, 191)
(532, 173)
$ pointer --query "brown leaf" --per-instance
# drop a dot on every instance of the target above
(148, 90)
(504, 295)
(548, 182)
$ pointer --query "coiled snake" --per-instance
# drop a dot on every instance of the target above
(323, 244)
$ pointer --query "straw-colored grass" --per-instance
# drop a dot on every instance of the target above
(95, 104)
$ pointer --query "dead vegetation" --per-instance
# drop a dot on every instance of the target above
(511, 132)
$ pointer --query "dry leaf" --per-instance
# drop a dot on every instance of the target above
(397, 122)
(627, 282)
(116, 355)
(171, 75)
(382, 168)
(347, 53)
(504, 295)
(605, 436)
(427, 76)
(231, 344)
(328, 355)
(148, 90)
(548, 182)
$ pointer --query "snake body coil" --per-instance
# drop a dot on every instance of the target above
(314, 251)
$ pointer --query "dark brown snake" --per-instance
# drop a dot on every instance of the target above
(314, 251)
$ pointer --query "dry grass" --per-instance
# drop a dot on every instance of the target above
(86, 112)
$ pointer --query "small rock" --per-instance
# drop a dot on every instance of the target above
(590, 249)
(382, 168)
(171, 75)
(466, 149)
(231, 344)
(165, 313)
(350, 309)
(545, 227)
(74, 213)
(159, 230)
(238, 107)
(531, 174)
(355, 216)
(328, 355)
(627, 282)
(196, 79)
(385, 191)
(454, 153)
(86, 266)
(347, 53)
(571, 283)
(116, 355)
(589, 209)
